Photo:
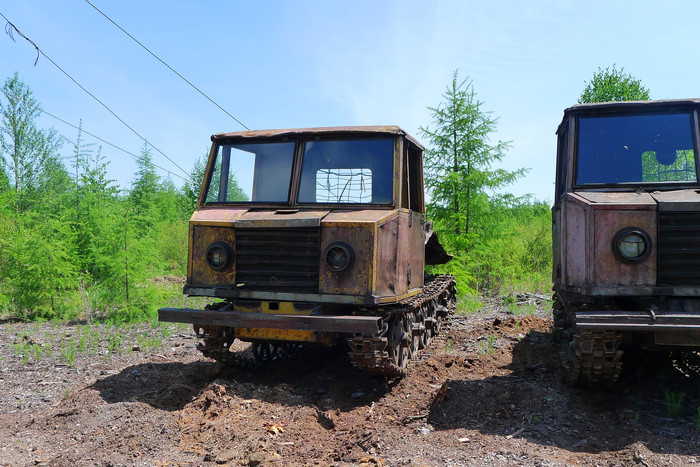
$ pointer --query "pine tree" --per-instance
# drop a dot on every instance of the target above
(25, 150)
(458, 162)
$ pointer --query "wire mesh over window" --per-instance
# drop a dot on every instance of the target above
(680, 166)
(352, 171)
(344, 186)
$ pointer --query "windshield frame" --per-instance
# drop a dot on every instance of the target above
(691, 112)
(392, 172)
(218, 149)
(300, 142)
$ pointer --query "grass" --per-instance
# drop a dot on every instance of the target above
(487, 346)
(87, 340)
(674, 402)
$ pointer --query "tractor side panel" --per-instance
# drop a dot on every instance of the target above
(416, 249)
(576, 244)
(403, 246)
(387, 257)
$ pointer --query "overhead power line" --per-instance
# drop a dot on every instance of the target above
(8, 30)
(169, 67)
(135, 156)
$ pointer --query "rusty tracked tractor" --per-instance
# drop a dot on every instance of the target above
(626, 233)
(316, 236)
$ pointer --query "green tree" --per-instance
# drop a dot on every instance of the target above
(459, 158)
(25, 150)
(611, 84)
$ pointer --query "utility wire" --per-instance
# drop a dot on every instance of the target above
(8, 30)
(135, 156)
(169, 67)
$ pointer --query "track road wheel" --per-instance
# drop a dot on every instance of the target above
(399, 341)
(266, 352)
(427, 334)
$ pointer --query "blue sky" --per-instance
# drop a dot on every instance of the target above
(284, 64)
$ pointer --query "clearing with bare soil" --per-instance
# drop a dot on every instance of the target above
(490, 392)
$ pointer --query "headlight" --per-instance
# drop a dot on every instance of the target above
(219, 255)
(339, 256)
(631, 245)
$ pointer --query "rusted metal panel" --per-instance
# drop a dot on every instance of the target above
(575, 244)
(387, 258)
(290, 335)
(678, 337)
(402, 245)
(218, 215)
(227, 292)
(633, 290)
(371, 216)
(609, 107)
(201, 274)
(242, 319)
(608, 269)
(617, 200)
(416, 249)
(636, 320)
(678, 200)
(324, 131)
(357, 279)
(280, 218)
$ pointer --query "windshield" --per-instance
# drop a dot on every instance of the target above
(254, 172)
(637, 149)
(347, 172)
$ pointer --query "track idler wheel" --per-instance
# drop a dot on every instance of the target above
(400, 337)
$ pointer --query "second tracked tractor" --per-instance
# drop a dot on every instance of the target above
(626, 233)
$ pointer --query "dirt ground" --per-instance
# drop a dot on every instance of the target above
(490, 393)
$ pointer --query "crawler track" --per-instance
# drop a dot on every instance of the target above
(590, 358)
(408, 329)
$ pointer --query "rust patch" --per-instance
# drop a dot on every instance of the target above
(357, 280)
(202, 274)
(216, 215)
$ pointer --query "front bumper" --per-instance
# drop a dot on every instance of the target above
(244, 319)
(638, 320)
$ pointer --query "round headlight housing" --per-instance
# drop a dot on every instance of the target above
(339, 256)
(219, 255)
(632, 245)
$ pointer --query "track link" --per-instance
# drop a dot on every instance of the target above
(408, 329)
(590, 358)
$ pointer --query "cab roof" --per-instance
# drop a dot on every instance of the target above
(341, 131)
(603, 108)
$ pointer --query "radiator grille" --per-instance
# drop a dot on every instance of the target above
(278, 260)
(678, 248)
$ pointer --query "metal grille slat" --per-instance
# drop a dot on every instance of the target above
(278, 259)
(678, 248)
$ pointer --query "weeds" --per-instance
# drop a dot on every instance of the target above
(674, 401)
(115, 343)
(488, 345)
(68, 352)
(533, 418)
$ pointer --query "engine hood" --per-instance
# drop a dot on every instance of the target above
(280, 218)
(678, 200)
